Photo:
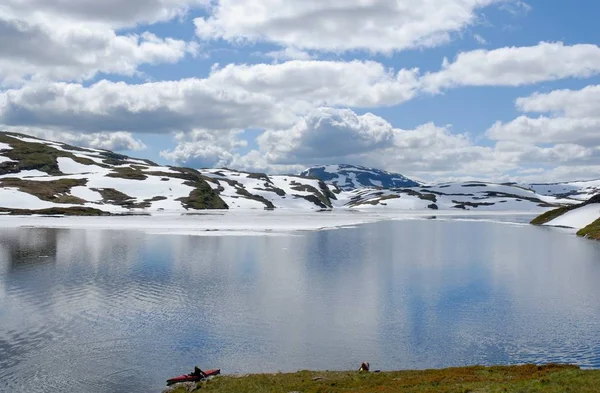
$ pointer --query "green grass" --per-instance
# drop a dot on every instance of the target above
(52, 191)
(477, 379)
(592, 231)
(30, 156)
(550, 215)
(128, 173)
(67, 211)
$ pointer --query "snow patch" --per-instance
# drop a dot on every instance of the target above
(578, 218)
(70, 166)
(14, 199)
(5, 146)
(29, 173)
(86, 194)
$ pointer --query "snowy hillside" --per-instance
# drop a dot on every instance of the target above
(467, 196)
(50, 177)
(580, 190)
(257, 190)
(38, 176)
(351, 177)
(577, 216)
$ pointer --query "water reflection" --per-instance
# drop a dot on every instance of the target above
(122, 310)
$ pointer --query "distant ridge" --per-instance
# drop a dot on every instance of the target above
(352, 177)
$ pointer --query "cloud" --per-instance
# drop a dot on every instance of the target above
(479, 39)
(204, 148)
(572, 103)
(232, 97)
(516, 66)
(289, 54)
(331, 83)
(331, 135)
(114, 141)
(574, 119)
(383, 26)
(113, 13)
(159, 107)
(71, 40)
(327, 134)
(566, 135)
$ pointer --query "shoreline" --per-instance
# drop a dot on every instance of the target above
(250, 222)
(551, 378)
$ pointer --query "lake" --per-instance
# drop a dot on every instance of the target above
(121, 311)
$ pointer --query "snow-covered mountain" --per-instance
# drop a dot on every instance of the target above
(351, 177)
(45, 177)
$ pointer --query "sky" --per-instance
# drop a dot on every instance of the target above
(438, 90)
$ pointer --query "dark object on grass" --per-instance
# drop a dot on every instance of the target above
(195, 376)
(364, 366)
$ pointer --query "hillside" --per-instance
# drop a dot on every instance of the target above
(466, 196)
(580, 190)
(352, 177)
(45, 177)
(584, 216)
(39, 176)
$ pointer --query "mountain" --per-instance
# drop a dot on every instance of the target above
(351, 177)
(44, 177)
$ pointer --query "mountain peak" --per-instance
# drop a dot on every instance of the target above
(350, 177)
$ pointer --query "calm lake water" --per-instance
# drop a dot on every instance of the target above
(121, 311)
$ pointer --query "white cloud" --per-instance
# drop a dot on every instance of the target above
(330, 83)
(75, 40)
(572, 103)
(381, 26)
(289, 54)
(114, 13)
(328, 135)
(232, 97)
(204, 148)
(479, 39)
(574, 119)
(147, 108)
(566, 139)
(114, 141)
(516, 66)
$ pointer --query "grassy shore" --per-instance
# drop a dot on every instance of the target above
(517, 379)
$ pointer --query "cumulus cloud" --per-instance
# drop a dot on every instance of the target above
(572, 103)
(516, 66)
(328, 135)
(204, 148)
(232, 97)
(114, 13)
(72, 40)
(159, 107)
(573, 118)
(566, 135)
(114, 141)
(383, 26)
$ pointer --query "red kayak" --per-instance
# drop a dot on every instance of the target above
(193, 378)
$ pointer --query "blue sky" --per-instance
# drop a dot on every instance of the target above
(438, 90)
